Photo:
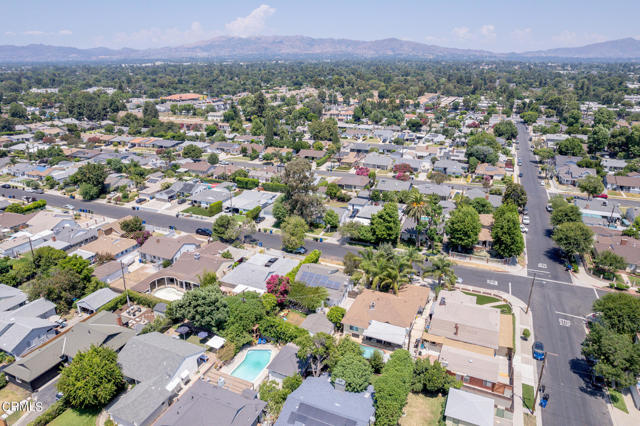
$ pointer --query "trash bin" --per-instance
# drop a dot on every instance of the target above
(259, 243)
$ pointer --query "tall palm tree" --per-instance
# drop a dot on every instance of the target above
(442, 269)
(416, 209)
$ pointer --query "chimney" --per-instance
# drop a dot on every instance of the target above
(372, 305)
(119, 320)
(457, 327)
(340, 385)
(623, 241)
(53, 238)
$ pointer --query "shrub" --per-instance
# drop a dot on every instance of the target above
(526, 333)
(226, 352)
(135, 297)
(52, 412)
(3, 380)
(246, 183)
(280, 331)
(19, 208)
(254, 212)
(312, 257)
(274, 187)
(323, 160)
(215, 208)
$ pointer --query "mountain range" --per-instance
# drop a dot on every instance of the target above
(300, 47)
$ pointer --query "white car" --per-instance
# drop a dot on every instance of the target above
(524, 229)
(69, 207)
(549, 208)
(525, 220)
(542, 182)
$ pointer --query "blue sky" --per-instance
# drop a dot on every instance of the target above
(506, 25)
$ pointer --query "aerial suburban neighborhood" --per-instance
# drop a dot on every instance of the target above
(259, 234)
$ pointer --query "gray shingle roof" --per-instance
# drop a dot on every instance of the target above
(97, 299)
(317, 323)
(286, 362)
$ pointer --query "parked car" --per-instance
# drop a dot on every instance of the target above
(6, 185)
(140, 200)
(59, 396)
(525, 220)
(39, 191)
(525, 210)
(605, 196)
(260, 219)
(520, 174)
(181, 200)
(549, 208)
(69, 207)
(524, 229)
(538, 350)
(203, 231)
(299, 250)
(598, 382)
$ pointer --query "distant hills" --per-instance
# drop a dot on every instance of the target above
(299, 47)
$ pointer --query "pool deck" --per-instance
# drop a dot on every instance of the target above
(237, 360)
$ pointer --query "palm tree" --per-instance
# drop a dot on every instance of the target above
(416, 209)
(441, 269)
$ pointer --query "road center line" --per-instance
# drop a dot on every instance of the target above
(538, 271)
(570, 315)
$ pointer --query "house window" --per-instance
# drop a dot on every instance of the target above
(487, 384)
(353, 328)
(465, 379)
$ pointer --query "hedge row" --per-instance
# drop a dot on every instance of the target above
(312, 257)
(135, 297)
(247, 183)
(392, 388)
(254, 212)
(19, 208)
(215, 208)
(323, 160)
(280, 331)
(274, 187)
(50, 414)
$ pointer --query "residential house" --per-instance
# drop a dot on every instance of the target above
(629, 183)
(385, 319)
(115, 247)
(317, 323)
(353, 182)
(26, 327)
(250, 199)
(207, 197)
(164, 249)
(286, 363)
(43, 364)
(227, 147)
(570, 174)
(333, 279)
(487, 170)
(598, 211)
(204, 401)
(116, 180)
(94, 301)
(390, 185)
(485, 240)
(11, 298)
(317, 402)
(109, 272)
(494, 200)
(442, 191)
(466, 408)
(159, 366)
(612, 165)
(449, 167)
(311, 154)
(365, 214)
(374, 160)
(607, 239)
(201, 168)
(253, 273)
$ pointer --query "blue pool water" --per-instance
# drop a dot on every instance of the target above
(41, 168)
(254, 362)
(367, 351)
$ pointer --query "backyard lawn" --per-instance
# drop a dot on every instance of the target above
(618, 401)
(73, 417)
(12, 393)
(422, 410)
(481, 299)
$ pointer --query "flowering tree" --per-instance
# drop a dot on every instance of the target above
(278, 285)
(402, 168)
(362, 171)
(402, 176)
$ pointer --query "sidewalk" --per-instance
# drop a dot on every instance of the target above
(524, 366)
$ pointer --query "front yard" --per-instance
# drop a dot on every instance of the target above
(422, 410)
(198, 210)
(11, 393)
(74, 417)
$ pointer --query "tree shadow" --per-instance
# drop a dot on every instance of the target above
(581, 368)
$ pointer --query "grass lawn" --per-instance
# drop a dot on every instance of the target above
(529, 419)
(504, 308)
(14, 417)
(198, 210)
(422, 410)
(527, 396)
(295, 318)
(482, 299)
(196, 340)
(73, 417)
(618, 401)
(12, 393)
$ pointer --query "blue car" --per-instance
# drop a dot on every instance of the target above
(538, 351)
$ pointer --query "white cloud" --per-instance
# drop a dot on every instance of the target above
(65, 32)
(33, 33)
(252, 24)
(462, 33)
(488, 31)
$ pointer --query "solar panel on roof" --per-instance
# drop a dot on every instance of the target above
(318, 280)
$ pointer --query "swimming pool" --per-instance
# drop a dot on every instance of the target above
(252, 365)
(367, 351)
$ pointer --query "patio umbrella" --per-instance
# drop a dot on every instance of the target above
(203, 335)
(183, 329)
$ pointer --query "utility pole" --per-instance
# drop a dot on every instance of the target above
(535, 398)
(33, 258)
(530, 293)
(124, 284)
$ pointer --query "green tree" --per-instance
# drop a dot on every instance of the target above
(270, 302)
(17, 111)
(376, 361)
(609, 262)
(386, 223)
(300, 197)
(331, 219)
(619, 312)
(591, 185)
(442, 269)
(92, 378)
(318, 349)
(149, 112)
(306, 297)
(225, 228)
(335, 315)
(60, 286)
(416, 209)
(191, 151)
(618, 358)
(564, 213)
(89, 192)
(482, 205)
(293, 230)
(132, 225)
(529, 117)
(505, 129)
(507, 238)
(573, 238)
(205, 307)
(604, 117)
(354, 370)
(463, 227)
(213, 159)
(515, 193)
(570, 146)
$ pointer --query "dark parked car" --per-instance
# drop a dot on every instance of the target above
(181, 200)
(203, 231)
(299, 250)
(259, 219)
(140, 200)
(6, 185)
(538, 350)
